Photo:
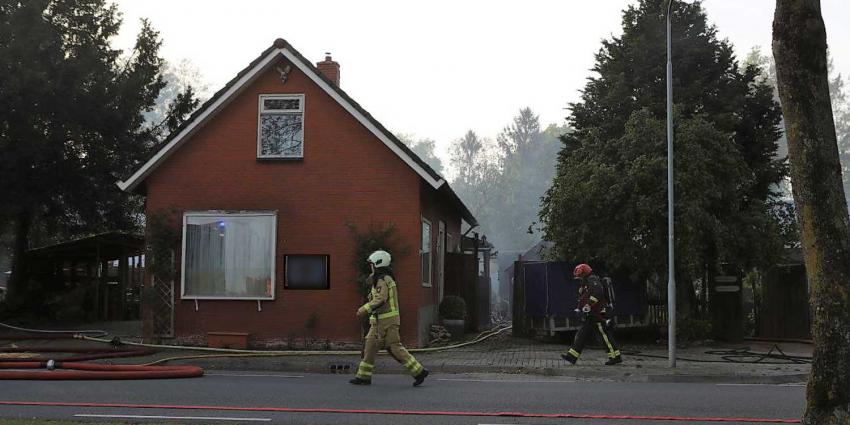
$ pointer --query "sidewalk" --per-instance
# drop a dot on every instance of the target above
(504, 354)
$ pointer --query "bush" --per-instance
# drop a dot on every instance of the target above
(377, 236)
(690, 329)
(453, 308)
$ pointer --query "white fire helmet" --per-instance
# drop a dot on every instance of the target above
(380, 258)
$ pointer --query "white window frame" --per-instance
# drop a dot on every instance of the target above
(261, 110)
(430, 251)
(222, 213)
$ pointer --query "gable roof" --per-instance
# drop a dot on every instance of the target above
(281, 48)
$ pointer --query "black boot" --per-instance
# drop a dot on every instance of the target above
(359, 381)
(569, 357)
(419, 379)
(614, 360)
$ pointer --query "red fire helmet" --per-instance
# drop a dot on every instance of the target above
(582, 270)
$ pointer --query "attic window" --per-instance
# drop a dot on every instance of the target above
(281, 127)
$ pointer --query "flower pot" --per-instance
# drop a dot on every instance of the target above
(455, 327)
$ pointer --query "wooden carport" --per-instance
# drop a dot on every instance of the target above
(107, 269)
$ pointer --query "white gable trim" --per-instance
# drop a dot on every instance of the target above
(362, 119)
(246, 79)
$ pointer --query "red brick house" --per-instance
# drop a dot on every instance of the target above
(267, 176)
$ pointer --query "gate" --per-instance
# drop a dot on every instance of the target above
(546, 296)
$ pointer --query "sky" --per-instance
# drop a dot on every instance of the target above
(435, 69)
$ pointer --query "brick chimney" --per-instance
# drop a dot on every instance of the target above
(329, 69)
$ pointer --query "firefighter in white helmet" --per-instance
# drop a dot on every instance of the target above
(384, 319)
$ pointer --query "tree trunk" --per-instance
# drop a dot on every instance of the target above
(20, 269)
(799, 47)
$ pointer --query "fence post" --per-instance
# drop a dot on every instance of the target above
(519, 317)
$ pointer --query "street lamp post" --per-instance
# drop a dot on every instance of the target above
(671, 279)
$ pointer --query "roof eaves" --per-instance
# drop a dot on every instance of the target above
(133, 182)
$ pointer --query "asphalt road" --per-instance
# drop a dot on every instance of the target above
(221, 394)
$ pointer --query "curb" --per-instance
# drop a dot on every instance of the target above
(618, 375)
(730, 379)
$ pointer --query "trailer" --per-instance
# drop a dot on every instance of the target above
(546, 296)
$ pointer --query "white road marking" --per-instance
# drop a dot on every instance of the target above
(510, 381)
(258, 375)
(200, 418)
(796, 384)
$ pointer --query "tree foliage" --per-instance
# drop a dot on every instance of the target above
(608, 203)
(841, 114)
(476, 163)
(425, 149)
(378, 236)
(502, 181)
(72, 119)
(528, 165)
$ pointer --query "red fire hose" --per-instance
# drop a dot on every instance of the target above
(71, 368)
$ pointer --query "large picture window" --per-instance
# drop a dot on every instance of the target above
(426, 253)
(281, 127)
(228, 255)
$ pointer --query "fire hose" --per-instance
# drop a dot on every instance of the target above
(154, 370)
(229, 352)
(27, 367)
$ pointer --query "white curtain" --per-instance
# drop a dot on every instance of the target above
(229, 255)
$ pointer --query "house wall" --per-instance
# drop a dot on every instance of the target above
(435, 208)
(347, 176)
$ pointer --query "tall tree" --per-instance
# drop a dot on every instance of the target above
(607, 201)
(180, 78)
(476, 182)
(425, 149)
(527, 156)
(799, 47)
(71, 120)
(841, 113)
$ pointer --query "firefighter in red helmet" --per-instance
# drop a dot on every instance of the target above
(594, 308)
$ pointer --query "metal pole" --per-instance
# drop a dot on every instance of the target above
(671, 278)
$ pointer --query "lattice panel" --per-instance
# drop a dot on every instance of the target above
(163, 308)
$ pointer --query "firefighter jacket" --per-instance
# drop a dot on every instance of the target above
(591, 293)
(382, 307)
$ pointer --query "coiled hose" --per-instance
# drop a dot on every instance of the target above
(71, 368)
(741, 355)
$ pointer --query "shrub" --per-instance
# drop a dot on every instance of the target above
(689, 329)
(377, 236)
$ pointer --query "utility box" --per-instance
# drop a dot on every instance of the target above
(727, 307)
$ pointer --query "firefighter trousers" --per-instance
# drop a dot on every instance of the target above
(382, 336)
(592, 325)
